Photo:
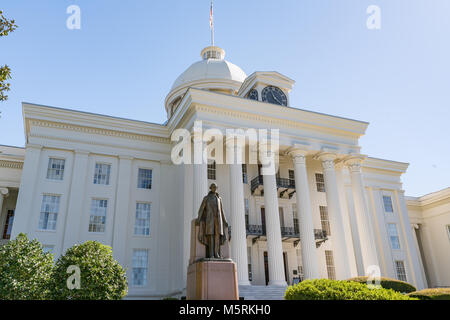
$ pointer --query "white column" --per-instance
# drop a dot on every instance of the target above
(234, 153)
(413, 255)
(362, 214)
(3, 194)
(200, 174)
(30, 171)
(122, 210)
(273, 231)
(238, 232)
(415, 227)
(76, 199)
(335, 216)
(304, 214)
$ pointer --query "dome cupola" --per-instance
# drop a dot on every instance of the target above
(213, 73)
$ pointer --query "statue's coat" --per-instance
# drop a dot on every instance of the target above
(211, 210)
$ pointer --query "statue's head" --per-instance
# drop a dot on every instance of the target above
(213, 187)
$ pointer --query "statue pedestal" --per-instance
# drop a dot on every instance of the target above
(210, 279)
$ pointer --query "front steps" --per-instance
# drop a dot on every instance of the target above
(262, 292)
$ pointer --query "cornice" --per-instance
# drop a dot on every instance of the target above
(237, 107)
(90, 122)
(89, 130)
(439, 197)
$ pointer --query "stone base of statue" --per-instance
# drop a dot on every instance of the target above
(210, 279)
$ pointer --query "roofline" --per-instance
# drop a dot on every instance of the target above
(91, 113)
(293, 108)
(9, 146)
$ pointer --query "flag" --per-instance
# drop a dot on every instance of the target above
(211, 17)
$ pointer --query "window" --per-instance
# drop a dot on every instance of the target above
(49, 212)
(142, 223)
(291, 175)
(295, 218)
(212, 171)
(247, 211)
(140, 267)
(320, 182)
(393, 236)
(97, 220)
(244, 174)
(8, 224)
(448, 231)
(324, 220)
(387, 201)
(145, 179)
(102, 172)
(249, 261)
(55, 170)
(401, 272)
(330, 264)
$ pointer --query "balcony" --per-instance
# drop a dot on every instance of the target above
(285, 187)
(289, 234)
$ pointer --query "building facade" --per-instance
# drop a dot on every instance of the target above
(328, 212)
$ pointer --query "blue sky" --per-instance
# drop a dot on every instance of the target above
(126, 56)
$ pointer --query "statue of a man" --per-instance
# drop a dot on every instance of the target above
(213, 224)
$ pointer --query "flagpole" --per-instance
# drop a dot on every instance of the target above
(211, 22)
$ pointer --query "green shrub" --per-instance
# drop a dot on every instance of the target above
(101, 277)
(24, 270)
(432, 294)
(388, 283)
(325, 289)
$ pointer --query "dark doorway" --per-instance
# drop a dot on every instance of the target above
(286, 270)
(266, 267)
(8, 224)
(263, 220)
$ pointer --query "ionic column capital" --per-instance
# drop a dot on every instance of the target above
(354, 162)
(298, 154)
(328, 159)
(4, 192)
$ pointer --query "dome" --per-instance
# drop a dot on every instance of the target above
(213, 67)
(212, 72)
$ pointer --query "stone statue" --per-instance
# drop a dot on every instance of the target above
(213, 226)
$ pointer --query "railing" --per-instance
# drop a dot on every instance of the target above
(290, 232)
(281, 183)
(320, 234)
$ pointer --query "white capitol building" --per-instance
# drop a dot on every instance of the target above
(329, 212)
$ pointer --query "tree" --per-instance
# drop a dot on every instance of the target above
(6, 26)
(24, 270)
(100, 277)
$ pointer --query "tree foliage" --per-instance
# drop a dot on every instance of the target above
(24, 270)
(6, 27)
(101, 277)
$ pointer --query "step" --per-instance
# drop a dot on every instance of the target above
(262, 292)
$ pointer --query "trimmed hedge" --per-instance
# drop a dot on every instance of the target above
(24, 270)
(388, 283)
(101, 277)
(325, 289)
(432, 294)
